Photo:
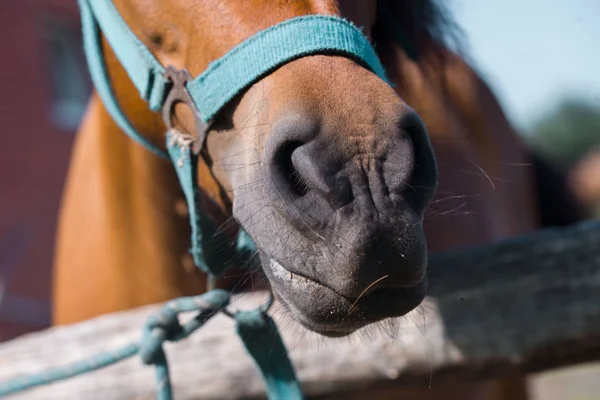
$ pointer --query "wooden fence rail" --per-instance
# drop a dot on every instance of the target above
(523, 305)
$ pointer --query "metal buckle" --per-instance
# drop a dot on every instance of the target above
(179, 94)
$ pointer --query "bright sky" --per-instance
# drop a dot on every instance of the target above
(534, 52)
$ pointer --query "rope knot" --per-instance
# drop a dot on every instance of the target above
(165, 326)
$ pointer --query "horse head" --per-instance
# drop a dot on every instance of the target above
(320, 161)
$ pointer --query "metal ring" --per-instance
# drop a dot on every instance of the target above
(179, 94)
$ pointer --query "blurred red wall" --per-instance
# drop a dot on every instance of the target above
(34, 156)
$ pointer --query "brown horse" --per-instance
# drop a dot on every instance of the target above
(325, 165)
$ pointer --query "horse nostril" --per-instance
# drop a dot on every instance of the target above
(319, 172)
(285, 181)
(287, 178)
(299, 169)
(303, 168)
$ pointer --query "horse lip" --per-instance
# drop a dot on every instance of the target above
(329, 330)
(276, 265)
(339, 328)
(281, 270)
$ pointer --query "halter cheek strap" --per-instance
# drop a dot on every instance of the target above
(147, 74)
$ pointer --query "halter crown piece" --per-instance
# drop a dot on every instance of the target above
(207, 94)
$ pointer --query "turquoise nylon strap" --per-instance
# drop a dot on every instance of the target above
(262, 340)
(141, 65)
(185, 163)
(143, 68)
(226, 76)
(210, 249)
(273, 47)
(162, 326)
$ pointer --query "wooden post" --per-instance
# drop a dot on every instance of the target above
(527, 304)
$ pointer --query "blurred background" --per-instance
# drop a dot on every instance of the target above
(541, 58)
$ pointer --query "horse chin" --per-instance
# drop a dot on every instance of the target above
(322, 310)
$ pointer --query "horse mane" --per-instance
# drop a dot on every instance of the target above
(416, 23)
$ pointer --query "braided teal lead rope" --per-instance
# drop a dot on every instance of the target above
(256, 329)
(160, 327)
(61, 373)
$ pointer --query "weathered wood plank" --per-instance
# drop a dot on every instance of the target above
(526, 305)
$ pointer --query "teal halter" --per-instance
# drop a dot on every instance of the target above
(207, 94)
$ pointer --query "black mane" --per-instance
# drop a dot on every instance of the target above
(417, 22)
